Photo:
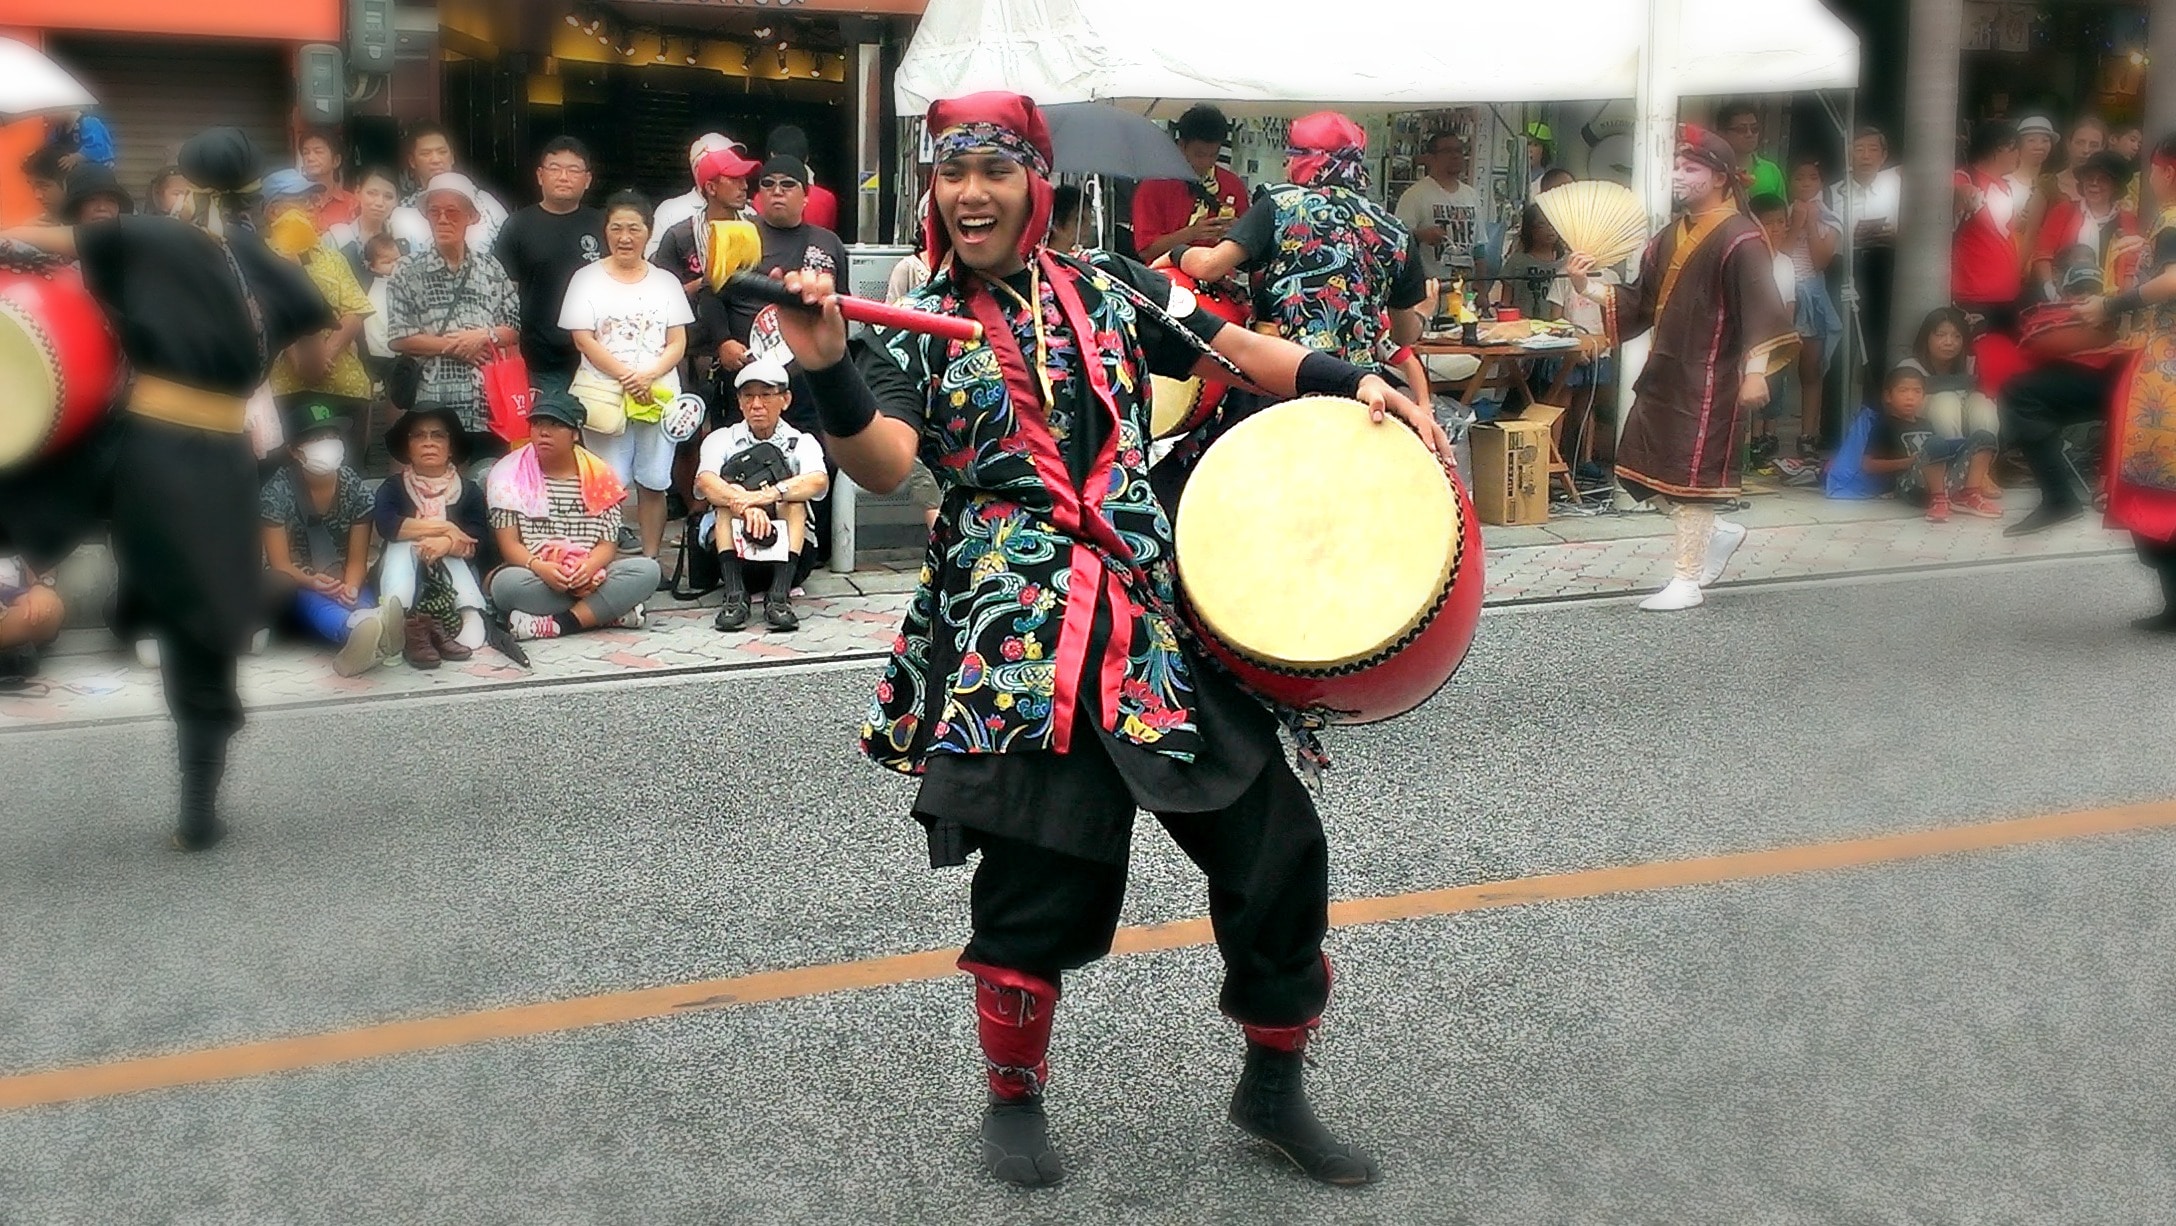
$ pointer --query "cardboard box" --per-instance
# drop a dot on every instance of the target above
(1511, 471)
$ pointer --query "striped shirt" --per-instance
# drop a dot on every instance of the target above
(567, 519)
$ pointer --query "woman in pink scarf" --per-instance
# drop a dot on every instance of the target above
(438, 542)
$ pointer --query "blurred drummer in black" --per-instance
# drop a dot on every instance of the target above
(201, 308)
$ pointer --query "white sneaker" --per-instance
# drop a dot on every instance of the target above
(1728, 536)
(527, 626)
(1679, 594)
(392, 630)
(632, 619)
(147, 653)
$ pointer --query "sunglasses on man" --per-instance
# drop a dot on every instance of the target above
(778, 183)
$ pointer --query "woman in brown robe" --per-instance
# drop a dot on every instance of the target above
(1707, 291)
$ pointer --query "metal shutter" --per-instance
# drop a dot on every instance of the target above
(157, 94)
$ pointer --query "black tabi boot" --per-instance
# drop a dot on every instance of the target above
(2164, 565)
(1271, 1106)
(203, 765)
(1013, 1015)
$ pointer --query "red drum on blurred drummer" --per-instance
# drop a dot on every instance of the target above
(59, 364)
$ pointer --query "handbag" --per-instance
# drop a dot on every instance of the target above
(756, 468)
(604, 401)
(508, 397)
(404, 378)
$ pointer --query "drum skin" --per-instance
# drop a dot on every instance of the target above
(1393, 678)
(59, 363)
(1181, 406)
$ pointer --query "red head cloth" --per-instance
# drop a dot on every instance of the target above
(1002, 123)
(1325, 147)
(1710, 149)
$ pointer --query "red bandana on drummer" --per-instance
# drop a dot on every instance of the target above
(1006, 124)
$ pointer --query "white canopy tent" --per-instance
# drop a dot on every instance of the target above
(1288, 57)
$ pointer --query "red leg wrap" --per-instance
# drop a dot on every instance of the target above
(1289, 1038)
(1013, 1013)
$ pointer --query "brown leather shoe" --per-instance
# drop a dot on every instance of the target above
(416, 645)
(448, 647)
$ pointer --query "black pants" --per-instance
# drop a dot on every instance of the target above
(182, 505)
(1043, 912)
(1876, 283)
(2038, 406)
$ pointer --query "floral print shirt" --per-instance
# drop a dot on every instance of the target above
(1039, 443)
(1332, 265)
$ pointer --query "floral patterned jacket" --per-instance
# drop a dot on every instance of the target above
(993, 654)
(1328, 284)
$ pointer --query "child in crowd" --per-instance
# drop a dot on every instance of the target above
(317, 515)
(48, 181)
(1774, 217)
(1812, 237)
(1956, 408)
(381, 255)
(1923, 463)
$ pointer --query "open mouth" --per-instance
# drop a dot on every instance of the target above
(977, 229)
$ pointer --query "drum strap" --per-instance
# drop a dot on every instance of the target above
(181, 405)
(1141, 301)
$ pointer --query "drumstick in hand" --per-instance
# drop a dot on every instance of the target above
(734, 248)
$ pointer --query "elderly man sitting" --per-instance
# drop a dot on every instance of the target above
(759, 475)
(555, 509)
(30, 617)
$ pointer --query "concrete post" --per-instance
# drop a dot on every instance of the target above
(1929, 166)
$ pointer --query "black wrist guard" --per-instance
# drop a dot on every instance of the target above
(2126, 302)
(1322, 375)
(844, 404)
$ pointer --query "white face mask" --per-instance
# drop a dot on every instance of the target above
(322, 457)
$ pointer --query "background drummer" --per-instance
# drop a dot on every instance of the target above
(1345, 307)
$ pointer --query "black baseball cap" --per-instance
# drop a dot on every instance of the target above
(782, 166)
(308, 413)
(561, 407)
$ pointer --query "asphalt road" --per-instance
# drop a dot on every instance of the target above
(1970, 1038)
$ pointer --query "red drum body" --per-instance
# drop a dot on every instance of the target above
(2054, 330)
(1178, 407)
(1356, 599)
(59, 364)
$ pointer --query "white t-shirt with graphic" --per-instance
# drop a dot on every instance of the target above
(1427, 204)
(632, 321)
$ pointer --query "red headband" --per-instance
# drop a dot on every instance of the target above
(1021, 121)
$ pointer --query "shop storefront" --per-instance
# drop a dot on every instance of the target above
(161, 70)
(639, 81)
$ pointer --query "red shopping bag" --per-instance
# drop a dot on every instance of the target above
(507, 394)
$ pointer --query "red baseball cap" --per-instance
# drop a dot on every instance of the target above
(727, 163)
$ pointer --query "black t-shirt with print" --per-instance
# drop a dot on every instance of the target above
(541, 251)
(178, 309)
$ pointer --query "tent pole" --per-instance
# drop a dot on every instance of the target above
(1653, 155)
(1852, 346)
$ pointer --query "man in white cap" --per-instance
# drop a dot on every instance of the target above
(690, 202)
(761, 475)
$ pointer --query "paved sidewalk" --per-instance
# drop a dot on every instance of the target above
(1794, 535)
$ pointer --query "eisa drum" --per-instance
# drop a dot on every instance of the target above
(1178, 407)
(59, 364)
(1331, 562)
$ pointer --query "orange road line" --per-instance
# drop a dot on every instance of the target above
(135, 1075)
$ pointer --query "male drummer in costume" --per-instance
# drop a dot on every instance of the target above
(1040, 685)
(1707, 291)
(2142, 430)
(1339, 273)
(200, 310)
